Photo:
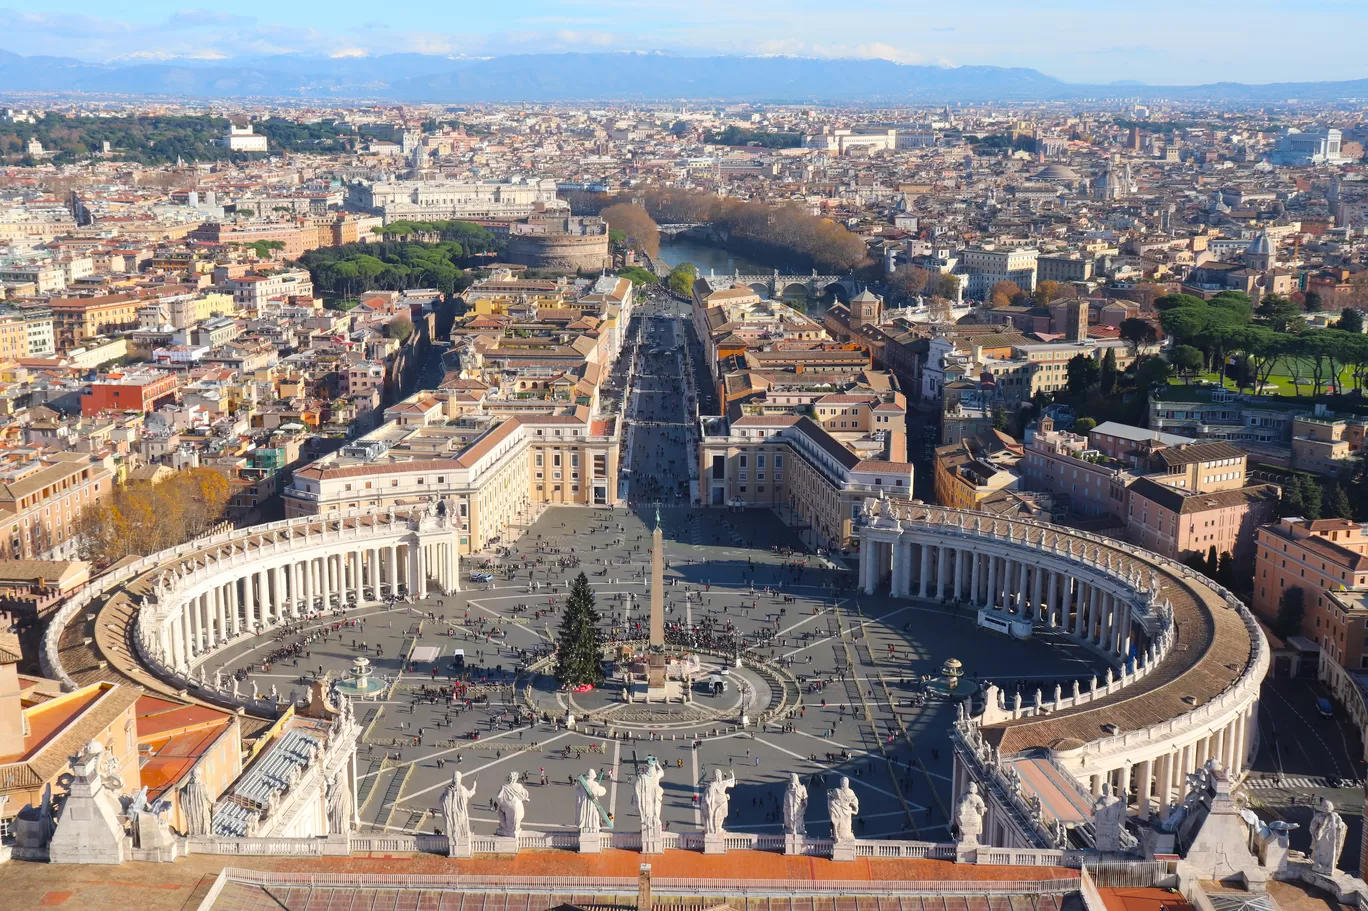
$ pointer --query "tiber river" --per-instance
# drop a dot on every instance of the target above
(676, 250)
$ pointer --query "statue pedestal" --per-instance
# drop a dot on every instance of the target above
(715, 844)
(653, 842)
(793, 844)
(590, 842)
(843, 850)
(462, 847)
(966, 852)
(505, 844)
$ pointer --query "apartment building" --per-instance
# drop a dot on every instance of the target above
(77, 320)
(41, 498)
(790, 464)
(137, 391)
(1328, 560)
(984, 267)
(1068, 465)
(251, 292)
(970, 471)
(1328, 445)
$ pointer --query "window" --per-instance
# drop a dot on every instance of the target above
(539, 460)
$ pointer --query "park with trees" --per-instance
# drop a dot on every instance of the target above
(142, 517)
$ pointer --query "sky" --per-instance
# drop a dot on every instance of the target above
(1162, 42)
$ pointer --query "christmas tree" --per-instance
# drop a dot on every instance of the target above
(577, 646)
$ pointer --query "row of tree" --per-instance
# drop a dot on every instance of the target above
(141, 518)
(1261, 339)
(780, 233)
(352, 269)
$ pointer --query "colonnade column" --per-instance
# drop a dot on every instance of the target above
(974, 561)
(925, 570)
(187, 618)
(990, 599)
(942, 570)
(902, 567)
(394, 569)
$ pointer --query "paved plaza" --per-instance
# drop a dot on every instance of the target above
(843, 695)
(413, 743)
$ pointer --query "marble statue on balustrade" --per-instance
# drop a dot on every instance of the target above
(1109, 820)
(456, 815)
(650, 796)
(588, 812)
(795, 806)
(1328, 831)
(842, 805)
(969, 817)
(511, 802)
(151, 831)
(717, 802)
(339, 804)
(195, 805)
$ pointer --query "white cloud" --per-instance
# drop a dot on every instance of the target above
(349, 52)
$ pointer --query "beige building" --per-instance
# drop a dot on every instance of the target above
(496, 472)
(41, 499)
(791, 465)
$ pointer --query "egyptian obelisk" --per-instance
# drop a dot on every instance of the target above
(657, 585)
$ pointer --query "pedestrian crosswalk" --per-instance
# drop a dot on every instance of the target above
(1300, 781)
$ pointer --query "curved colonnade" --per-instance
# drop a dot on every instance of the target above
(1189, 655)
(195, 599)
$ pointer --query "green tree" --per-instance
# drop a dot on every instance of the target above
(1107, 378)
(1186, 359)
(681, 279)
(1291, 612)
(1138, 333)
(1225, 570)
(999, 418)
(401, 327)
(1312, 302)
(1280, 314)
(1150, 372)
(1081, 374)
(1351, 320)
(1213, 562)
(1083, 425)
(1335, 502)
(578, 661)
(639, 276)
(1310, 492)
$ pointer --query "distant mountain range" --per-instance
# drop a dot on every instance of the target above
(603, 77)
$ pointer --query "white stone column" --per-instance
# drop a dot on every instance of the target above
(1052, 601)
(1146, 787)
(187, 631)
(902, 561)
(1093, 618)
(974, 561)
(250, 604)
(942, 571)
(394, 569)
(923, 576)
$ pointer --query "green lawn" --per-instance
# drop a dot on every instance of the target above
(1282, 377)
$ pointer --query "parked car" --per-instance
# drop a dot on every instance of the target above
(1325, 707)
(481, 577)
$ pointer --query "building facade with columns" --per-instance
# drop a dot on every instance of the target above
(1182, 687)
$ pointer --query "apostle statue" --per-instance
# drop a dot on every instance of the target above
(842, 805)
(716, 802)
(589, 814)
(649, 796)
(1109, 818)
(969, 816)
(339, 804)
(456, 809)
(795, 806)
(512, 796)
(1327, 838)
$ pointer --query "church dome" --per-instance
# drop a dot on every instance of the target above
(1056, 172)
(1261, 245)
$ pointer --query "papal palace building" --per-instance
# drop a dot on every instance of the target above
(493, 471)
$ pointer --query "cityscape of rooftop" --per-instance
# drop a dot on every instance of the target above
(862, 458)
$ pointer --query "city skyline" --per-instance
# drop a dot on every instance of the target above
(1171, 44)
